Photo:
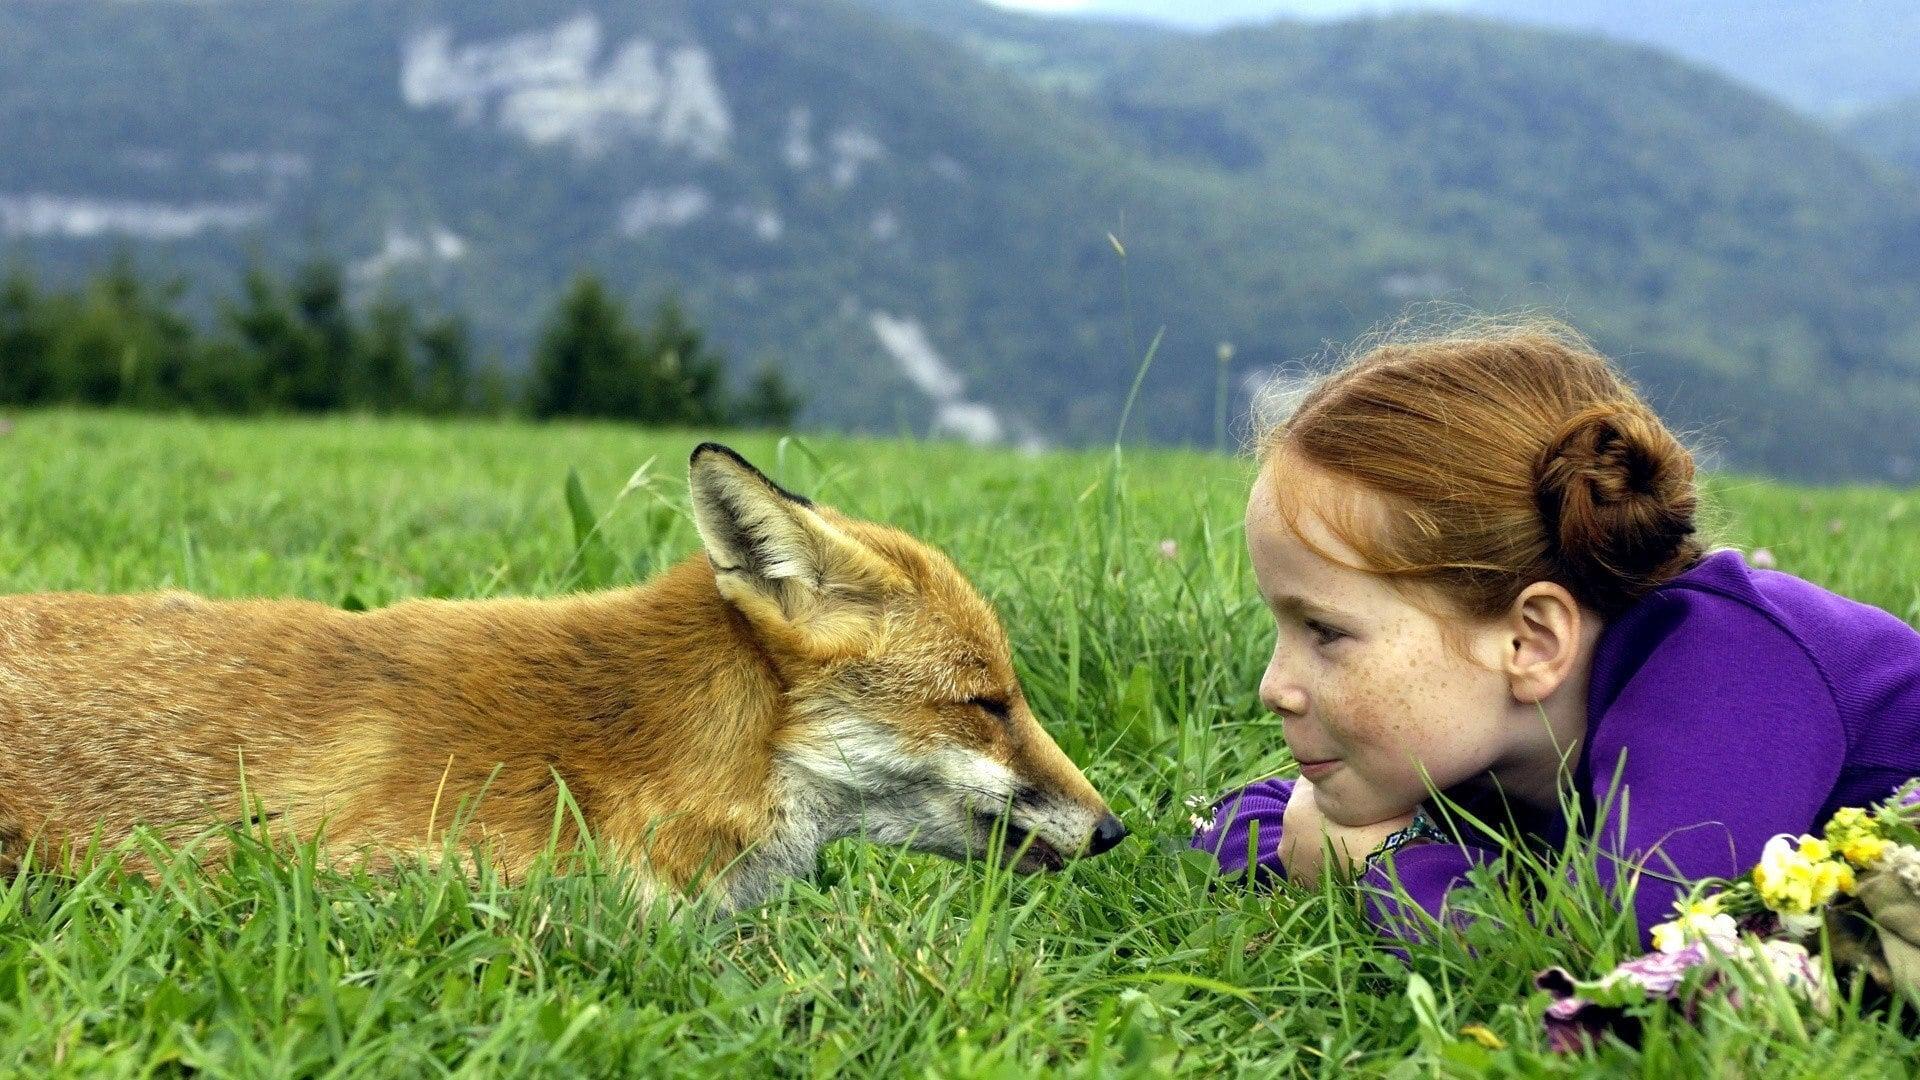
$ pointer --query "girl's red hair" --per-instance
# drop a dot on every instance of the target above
(1499, 455)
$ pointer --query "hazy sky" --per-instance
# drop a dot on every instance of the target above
(1218, 12)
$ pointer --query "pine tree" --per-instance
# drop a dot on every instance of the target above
(768, 403)
(24, 379)
(383, 374)
(324, 350)
(447, 368)
(585, 356)
(680, 378)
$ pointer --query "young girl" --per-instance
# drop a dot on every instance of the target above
(1480, 552)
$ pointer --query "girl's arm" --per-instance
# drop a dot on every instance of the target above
(1275, 828)
(1244, 827)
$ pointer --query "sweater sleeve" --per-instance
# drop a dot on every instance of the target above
(1726, 735)
(1244, 831)
(1244, 834)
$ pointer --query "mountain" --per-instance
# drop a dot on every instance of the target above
(1891, 131)
(914, 216)
(1829, 59)
(1824, 57)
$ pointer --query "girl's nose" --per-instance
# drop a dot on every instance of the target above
(1279, 691)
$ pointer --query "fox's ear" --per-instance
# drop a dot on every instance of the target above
(775, 556)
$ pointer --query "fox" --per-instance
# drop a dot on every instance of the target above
(803, 677)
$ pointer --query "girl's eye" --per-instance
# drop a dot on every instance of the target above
(1322, 633)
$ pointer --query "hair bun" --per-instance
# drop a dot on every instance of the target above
(1617, 502)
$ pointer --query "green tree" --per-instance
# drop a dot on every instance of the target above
(24, 379)
(676, 377)
(447, 368)
(322, 374)
(768, 402)
(267, 331)
(583, 353)
(383, 374)
(120, 340)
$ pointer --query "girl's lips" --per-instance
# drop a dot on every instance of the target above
(1314, 770)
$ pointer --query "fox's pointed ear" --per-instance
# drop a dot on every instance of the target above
(775, 555)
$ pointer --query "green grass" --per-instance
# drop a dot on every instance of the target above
(1143, 666)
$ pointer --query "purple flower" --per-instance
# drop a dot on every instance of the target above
(1582, 1012)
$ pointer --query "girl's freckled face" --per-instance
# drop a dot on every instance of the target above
(1375, 704)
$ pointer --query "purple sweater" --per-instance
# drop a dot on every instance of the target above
(1734, 704)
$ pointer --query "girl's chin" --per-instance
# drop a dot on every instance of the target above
(1357, 813)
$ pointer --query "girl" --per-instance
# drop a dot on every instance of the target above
(1480, 552)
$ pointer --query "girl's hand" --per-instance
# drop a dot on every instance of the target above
(1303, 829)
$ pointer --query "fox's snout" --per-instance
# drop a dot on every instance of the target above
(1106, 835)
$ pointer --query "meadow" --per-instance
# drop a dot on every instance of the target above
(1126, 591)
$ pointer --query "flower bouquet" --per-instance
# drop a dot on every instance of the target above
(1860, 880)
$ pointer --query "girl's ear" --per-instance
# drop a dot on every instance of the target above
(1545, 629)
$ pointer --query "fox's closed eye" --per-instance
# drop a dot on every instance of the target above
(996, 707)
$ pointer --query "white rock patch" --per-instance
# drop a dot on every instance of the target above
(549, 88)
(797, 150)
(663, 208)
(764, 222)
(853, 150)
(905, 340)
(82, 217)
(436, 246)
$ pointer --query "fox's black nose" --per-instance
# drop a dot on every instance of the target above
(1105, 835)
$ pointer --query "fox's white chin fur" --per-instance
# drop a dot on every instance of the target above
(857, 778)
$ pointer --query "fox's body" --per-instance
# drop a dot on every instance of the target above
(808, 677)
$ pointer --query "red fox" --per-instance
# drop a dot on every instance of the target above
(807, 677)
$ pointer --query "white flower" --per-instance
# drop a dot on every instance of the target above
(1797, 970)
(1717, 930)
(1800, 926)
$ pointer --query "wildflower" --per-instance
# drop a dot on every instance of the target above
(1199, 812)
(1796, 969)
(1848, 820)
(1583, 1011)
(1762, 559)
(1801, 927)
(1791, 880)
(1169, 549)
(1857, 838)
(1865, 852)
(1699, 921)
(1903, 862)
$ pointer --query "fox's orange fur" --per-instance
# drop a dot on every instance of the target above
(696, 720)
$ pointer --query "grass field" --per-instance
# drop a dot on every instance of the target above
(1141, 657)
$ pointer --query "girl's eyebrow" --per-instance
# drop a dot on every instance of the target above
(1303, 606)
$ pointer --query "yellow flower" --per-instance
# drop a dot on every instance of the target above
(1857, 837)
(1840, 874)
(1865, 852)
(1792, 881)
(1846, 821)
